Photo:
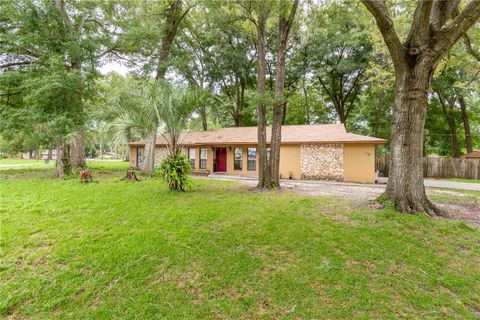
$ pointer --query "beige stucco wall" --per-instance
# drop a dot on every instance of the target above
(321, 161)
(197, 157)
(290, 161)
(244, 170)
(359, 163)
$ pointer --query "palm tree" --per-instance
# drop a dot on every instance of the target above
(156, 105)
(173, 107)
(131, 114)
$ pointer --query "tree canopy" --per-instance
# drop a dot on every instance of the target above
(243, 62)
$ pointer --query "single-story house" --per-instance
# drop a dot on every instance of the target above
(306, 152)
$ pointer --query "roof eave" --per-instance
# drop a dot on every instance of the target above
(254, 143)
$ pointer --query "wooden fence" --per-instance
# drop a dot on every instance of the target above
(437, 167)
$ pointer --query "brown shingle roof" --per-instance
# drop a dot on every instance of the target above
(295, 134)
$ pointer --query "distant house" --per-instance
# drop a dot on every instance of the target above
(472, 155)
(45, 155)
(307, 152)
(33, 155)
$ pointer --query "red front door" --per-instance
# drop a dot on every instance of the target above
(221, 160)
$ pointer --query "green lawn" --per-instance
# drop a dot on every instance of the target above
(462, 180)
(25, 163)
(39, 164)
(114, 249)
(19, 161)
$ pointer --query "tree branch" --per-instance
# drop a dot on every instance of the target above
(291, 17)
(379, 11)
(469, 48)
(441, 11)
(183, 15)
(324, 86)
(420, 28)
(448, 35)
(354, 84)
(13, 64)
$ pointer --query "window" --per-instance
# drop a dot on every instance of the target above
(252, 159)
(203, 158)
(191, 157)
(237, 159)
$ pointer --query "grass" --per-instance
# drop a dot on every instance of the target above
(462, 180)
(19, 161)
(453, 195)
(25, 163)
(39, 164)
(116, 249)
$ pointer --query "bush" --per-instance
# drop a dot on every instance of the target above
(175, 170)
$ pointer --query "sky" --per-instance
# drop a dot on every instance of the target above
(113, 66)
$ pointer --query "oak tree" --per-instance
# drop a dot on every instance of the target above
(432, 34)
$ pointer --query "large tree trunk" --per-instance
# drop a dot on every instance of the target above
(237, 109)
(284, 117)
(284, 25)
(305, 101)
(77, 150)
(173, 19)
(466, 124)
(263, 166)
(242, 101)
(431, 36)
(239, 102)
(149, 154)
(405, 182)
(58, 160)
(203, 115)
(62, 164)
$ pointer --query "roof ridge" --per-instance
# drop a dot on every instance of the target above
(292, 134)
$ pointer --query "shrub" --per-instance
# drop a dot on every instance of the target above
(175, 170)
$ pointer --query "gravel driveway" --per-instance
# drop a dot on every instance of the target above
(461, 208)
(351, 190)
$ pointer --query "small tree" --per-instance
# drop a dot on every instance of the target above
(175, 171)
(173, 106)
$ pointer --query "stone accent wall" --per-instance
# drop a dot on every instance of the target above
(321, 161)
(160, 154)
